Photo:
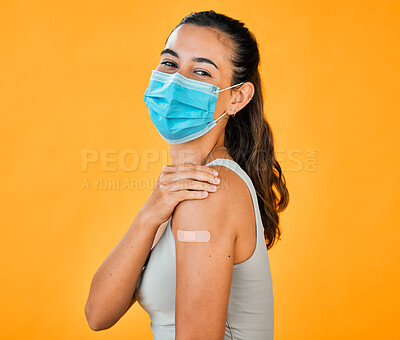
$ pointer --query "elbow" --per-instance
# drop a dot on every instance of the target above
(93, 321)
(94, 326)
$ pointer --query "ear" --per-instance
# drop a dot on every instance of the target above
(240, 98)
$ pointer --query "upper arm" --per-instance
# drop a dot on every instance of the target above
(133, 300)
(203, 270)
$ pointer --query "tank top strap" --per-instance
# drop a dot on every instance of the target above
(234, 166)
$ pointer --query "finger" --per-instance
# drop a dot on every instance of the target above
(189, 195)
(168, 168)
(191, 174)
(193, 166)
(189, 184)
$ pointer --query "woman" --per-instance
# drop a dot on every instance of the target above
(195, 257)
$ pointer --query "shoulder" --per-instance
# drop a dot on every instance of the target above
(220, 210)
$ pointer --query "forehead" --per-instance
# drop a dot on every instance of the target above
(195, 41)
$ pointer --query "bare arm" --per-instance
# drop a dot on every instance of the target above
(204, 270)
(113, 285)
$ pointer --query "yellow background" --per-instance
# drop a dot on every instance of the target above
(72, 78)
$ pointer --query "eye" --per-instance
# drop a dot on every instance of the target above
(204, 73)
(169, 64)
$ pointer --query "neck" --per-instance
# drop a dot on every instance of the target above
(196, 152)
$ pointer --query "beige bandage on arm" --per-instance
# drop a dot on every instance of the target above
(193, 235)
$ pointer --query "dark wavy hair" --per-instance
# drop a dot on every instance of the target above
(248, 135)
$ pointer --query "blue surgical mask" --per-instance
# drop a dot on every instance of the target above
(182, 109)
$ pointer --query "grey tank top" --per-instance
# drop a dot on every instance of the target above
(250, 314)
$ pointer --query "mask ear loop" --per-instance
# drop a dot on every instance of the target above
(224, 90)
(229, 87)
(219, 117)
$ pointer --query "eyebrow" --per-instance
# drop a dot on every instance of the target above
(197, 60)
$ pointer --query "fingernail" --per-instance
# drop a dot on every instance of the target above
(213, 187)
(215, 172)
(204, 193)
(216, 180)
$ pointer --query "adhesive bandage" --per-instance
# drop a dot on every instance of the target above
(193, 236)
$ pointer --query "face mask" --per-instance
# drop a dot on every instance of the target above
(182, 109)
